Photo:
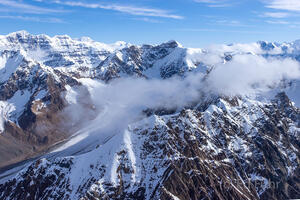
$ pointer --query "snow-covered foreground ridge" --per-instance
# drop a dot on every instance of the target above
(149, 122)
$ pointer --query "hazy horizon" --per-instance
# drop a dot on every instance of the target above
(193, 23)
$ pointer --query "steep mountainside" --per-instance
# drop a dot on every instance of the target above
(236, 148)
(217, 146)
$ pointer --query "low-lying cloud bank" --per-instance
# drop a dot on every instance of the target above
(123, 101)
(125, 98)
(247, 74)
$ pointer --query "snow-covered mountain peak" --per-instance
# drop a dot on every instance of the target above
(267, 46)
(23, 39)
(84, 39)
(121, 44)
(171, 44)
(21, 33)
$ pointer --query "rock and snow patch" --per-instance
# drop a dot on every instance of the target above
(5, 111)
(19, 101)
(9, 64)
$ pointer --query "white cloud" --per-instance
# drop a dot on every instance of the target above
(247, 74)
(123, 101)
(132, 10)
(220, 30)
(19, 6)
(291, 24)
(225, 22)
(290, 5)
(282, 22)
(146, 19)
(276, 14)
(214, 3)
(33, 19)
(125, 98)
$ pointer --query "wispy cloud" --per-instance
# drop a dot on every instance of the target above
(291, 24)
(282, 22)
(220, 30)
(132, 10)
(289, 5)
(225, 22)
(214, 3)
(276, 14)
(20, 7)
(146, 19)
(33, 19)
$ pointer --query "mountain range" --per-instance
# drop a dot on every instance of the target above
(80, 119)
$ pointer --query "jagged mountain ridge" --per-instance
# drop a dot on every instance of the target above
(46, 70)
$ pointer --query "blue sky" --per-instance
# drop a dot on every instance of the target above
(194, 23)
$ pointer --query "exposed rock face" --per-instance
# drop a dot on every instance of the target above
(39, 100)
(219, 153)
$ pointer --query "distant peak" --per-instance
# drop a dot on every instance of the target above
(85, 39)
(171, 44)
(172, 41)
(25, 34)
(267, 46)
(120, 43)
(22, 33)
(63, 37)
